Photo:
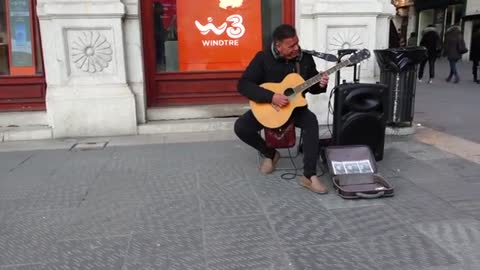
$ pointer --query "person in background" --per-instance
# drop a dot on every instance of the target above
(475, 54)
(431, 41)
(454, 47)
(412, 40)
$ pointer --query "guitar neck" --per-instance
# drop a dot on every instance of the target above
(315, 79)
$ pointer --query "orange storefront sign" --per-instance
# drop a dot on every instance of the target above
(218, 34)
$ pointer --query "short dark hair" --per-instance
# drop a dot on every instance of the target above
(283, 31)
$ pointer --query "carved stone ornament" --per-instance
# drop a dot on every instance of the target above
(345, 39)
(91, 52)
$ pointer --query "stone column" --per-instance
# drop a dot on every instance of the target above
(134, 57)
(84, 57)
(330, 25)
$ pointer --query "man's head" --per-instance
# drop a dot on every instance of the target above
(285, 41)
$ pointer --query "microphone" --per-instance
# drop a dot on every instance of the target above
(325, 56)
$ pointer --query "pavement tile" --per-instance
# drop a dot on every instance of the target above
(226, 205)
(184, 209)
(60, 196)
(331, 256)
(174, 236)
(304, 223)
(114, 186)
(41, 164)
(27, 237)
(454, 235)
(392, 155)
(151, 251)
(471, 207)
(101, 219)
(404, 251)
(417, 206)
(171, 184)
(421, 151)
(227, 197)
(23, 267)
(414, 170)
(371, 221)
(457, 167)
(460, 237)
(10, 160)
(449, 188)
(242, 243)
(11, 201)
(102, 253)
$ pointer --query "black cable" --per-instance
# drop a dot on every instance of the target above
(293, 175)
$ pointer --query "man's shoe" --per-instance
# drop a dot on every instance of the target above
(430, 81)
(313, 184)
(268, 164)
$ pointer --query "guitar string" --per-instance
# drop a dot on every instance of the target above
(310, 82)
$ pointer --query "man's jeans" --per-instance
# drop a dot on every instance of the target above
(453, 70)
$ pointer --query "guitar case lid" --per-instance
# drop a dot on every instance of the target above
(355, 173)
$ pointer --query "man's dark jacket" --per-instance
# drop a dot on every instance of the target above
(265, 68)
(431, 41)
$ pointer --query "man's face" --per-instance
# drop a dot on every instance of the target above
(288, 48)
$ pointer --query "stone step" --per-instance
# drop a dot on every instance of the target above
(185, 126)
(44, 132)
(25, 133)
(33, 118)
(197, 111)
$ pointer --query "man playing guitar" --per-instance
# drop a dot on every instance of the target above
(273, 65)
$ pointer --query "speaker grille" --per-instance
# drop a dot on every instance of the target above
(359, 116)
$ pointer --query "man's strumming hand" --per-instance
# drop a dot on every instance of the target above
(279, 100)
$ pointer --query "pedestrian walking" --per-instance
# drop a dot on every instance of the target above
(431, 41)
(454, 47)
(475, 54)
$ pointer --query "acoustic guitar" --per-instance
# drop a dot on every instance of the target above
(292, 86)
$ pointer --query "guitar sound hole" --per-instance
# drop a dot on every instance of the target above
(289, 92)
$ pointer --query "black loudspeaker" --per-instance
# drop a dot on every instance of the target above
(359, 116)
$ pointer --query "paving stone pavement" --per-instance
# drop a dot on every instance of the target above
(203, 205)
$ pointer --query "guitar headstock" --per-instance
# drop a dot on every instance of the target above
(359, 56)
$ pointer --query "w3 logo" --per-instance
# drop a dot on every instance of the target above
(233, 25)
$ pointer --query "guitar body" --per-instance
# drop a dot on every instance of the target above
(274, 117)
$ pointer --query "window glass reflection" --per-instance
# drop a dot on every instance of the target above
(225, 20)
(4, 68)
(165, 28)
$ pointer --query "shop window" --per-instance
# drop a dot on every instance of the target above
(19, 39)
(211, 36)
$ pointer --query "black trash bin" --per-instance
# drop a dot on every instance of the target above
(398, 70)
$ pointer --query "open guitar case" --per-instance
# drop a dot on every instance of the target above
(355, 174)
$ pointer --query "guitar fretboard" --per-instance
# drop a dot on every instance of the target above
(315, 79)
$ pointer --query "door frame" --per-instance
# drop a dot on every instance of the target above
(199, 87)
